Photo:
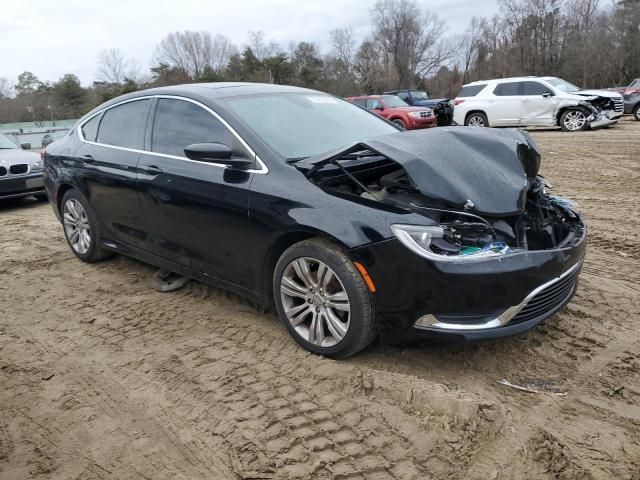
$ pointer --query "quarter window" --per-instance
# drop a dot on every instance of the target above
(179, 123)
(403, 96)
(90, 128)
(508, 89)
(122, 126)
(360, 101)
(471, 90)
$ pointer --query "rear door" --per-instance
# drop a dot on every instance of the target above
(538, 104)
(108, 157)
(506, 107)
(196, 212)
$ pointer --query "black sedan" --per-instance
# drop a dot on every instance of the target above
(295, 198)
(20, 171)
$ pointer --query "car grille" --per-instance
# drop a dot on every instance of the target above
(3, 171)
(19, 169)
(618, 105)
(549, 299)
(425, 115)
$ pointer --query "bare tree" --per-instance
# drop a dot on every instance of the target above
(344, 46)
(6, 88)
(260, 48)
(191, 52)
(581, 15)
(411, 37)
(112, 66)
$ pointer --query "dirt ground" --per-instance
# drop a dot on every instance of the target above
(103, 377)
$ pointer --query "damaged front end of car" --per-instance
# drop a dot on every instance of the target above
(493, 240)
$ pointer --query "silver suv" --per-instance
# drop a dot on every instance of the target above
(536, 102)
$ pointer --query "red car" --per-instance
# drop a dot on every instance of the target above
(397, 111)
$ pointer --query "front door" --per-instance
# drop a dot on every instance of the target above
(538, 105)
(196, 212)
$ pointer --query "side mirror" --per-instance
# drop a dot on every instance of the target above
(214, 153)
(378, 107)
(26, 146)
(547, 94)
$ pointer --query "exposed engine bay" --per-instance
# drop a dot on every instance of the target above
(539, 221)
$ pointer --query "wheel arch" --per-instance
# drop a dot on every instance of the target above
(475, 110)
(564, 108)
(279, 246)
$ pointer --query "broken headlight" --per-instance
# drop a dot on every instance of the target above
(434, 243)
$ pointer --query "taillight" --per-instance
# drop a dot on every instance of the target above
(458, 101)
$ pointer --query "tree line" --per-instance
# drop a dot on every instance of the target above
(587, 42)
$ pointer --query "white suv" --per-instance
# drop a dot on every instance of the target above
(536, 102)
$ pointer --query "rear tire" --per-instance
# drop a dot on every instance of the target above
(573, 120)
(81, 228)
(636, 112)
(400, 123)
(322, 299)
(477, 119)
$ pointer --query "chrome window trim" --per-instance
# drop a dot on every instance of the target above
(263, 170)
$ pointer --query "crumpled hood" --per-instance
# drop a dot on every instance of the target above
(597, 93)
(488, 171)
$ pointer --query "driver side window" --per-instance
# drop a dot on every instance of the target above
(373, 103)
(179, 123)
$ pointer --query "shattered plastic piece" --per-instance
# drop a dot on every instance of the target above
(563, 202)
(494, 248)
(470, 250)
(166, 281)
(535, 387)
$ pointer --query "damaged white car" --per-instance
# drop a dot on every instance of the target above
(536, 102)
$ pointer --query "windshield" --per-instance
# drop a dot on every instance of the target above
(391, 101)
(299, 125)
(5, 142)
(562, 85)
(419, 95)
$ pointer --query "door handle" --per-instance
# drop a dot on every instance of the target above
(87, 158)
(152, 170)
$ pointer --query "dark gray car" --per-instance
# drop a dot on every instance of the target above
(20, 171)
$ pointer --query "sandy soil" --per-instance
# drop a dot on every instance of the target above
(103, 377)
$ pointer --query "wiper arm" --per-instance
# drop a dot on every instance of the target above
(293, 160)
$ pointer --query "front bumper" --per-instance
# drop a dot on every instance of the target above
(21, 185)
(419, 299)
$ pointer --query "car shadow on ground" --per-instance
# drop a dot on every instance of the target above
(14, 204)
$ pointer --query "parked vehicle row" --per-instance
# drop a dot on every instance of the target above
(397, 111)
(20, 171)
(536, 102)
(301, 200)
(442, 107)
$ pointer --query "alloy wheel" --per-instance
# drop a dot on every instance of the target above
(315, 301)
(76, 226)
(575, 120)
(476, 121)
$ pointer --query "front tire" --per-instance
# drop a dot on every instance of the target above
(400, 123)
(573, 121)
(81, 228)
(322, 299)
(636, 112)
(477, 119)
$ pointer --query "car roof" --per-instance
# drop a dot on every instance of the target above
(508, 79)
(213, 91)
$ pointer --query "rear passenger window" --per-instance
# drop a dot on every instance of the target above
(535, 88)
(471, 90)
(90, 128)
(360, 101)
(509, 89)
(179, 123)
(403, 96)
(122, 126)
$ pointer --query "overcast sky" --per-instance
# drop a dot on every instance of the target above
(51, 38)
